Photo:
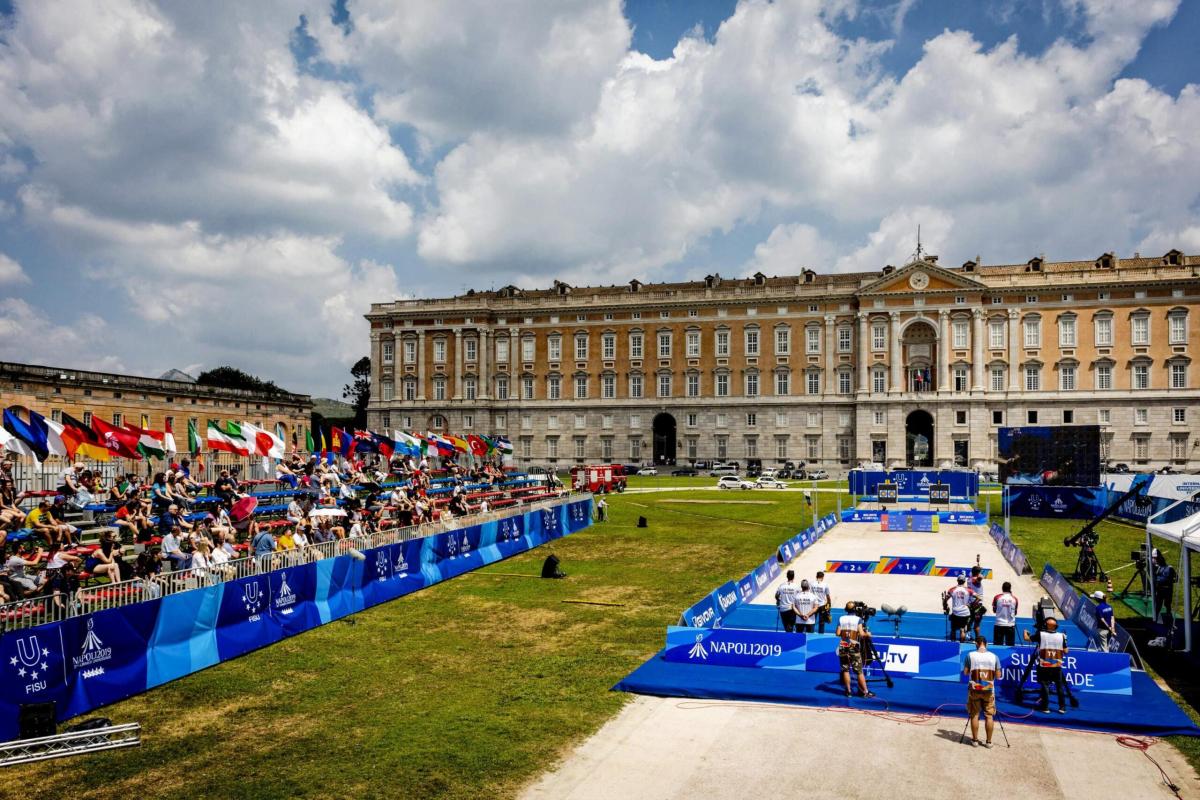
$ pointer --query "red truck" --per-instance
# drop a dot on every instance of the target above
(599, 478)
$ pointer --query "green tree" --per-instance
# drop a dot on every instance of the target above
(358, 392)
(234, 378)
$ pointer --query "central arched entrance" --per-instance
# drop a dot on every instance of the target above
(918, 439)
(664, 438)
(919, 343)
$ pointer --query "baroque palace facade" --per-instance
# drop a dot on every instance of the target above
(917, 365)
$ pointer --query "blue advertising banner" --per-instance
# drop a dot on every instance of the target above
(1067, 502)
(733, 647)
(91, 660)
(1101, 673)
(860, 515)
(962, 484)
(924, 659)
(1061, 591)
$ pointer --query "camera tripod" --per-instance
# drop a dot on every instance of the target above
(963, 737)
(1087, 566)
(870, 656)
(1139, 571)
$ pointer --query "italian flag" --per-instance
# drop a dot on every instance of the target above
(229, 439)
(169, 440)
(150, 443)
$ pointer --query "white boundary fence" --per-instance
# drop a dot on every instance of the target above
(40, 610)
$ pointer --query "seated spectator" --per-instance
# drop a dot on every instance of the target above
(296, 512)
(146, 571)
(172, 549)
(42, 522)
(130, 517)
(220, 558)
(200, 561)
(263, 545)
(284, 474)
(285, 540)
(176, 492)
(183, 474)
(104, 562)
(160, 496)
(17, 567)
(226, 487)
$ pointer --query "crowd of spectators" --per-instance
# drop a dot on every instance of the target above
(174, 523)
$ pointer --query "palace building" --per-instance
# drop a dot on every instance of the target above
(917, 365)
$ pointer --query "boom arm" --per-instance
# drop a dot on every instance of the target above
(1134, 490)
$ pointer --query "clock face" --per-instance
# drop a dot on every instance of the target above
(918, 280)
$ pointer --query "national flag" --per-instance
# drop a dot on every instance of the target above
(343, 442)
(119, 441)
(54, 432)
(364, 443)
(461, 445)
(81, 440)
(258, 441)
(169, 439)
(149, 443)
(383, 445)
(478, 445)
(229, 438)
(193, 438)
(407, 444)
(309, 444)
(504, 445)
(31, 438)
(443, 445)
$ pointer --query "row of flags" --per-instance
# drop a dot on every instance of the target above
(335, 441)
(28, 433)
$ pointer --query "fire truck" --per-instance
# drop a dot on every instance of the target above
(599, 479)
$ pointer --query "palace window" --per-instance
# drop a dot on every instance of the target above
(502, 351)
(752, 341)
(1177, 327)
(664, 345)
(1103, 377)
(608, 346)
(471, 350)
(635, 386)
(385, 390)
(1033, 332)
(878, 380)
(692, 342)
(844, 339)
(959, 333)
(664, 385)
(410, 389)
(878, 337)
(996, 334)
(608, 386)
(1178, 375)
(581, 347)
(470, 388)
(554, 388)
(997, 373)
(1140, 329)
(1066, 331)
(722, 384)
(389, 352)
(1066, 378)
(439, 388)
(693, 385)
(528, 348)
(1033, 378)
(783, 383)
(752, 384)
(1103, 326)
(960, 379)
(581, 387)
(439, 351)
(635, 345)
(410, 351)
(554, 348)
(722, 344)
(1141, 376)
(812, 382)
(844, 382)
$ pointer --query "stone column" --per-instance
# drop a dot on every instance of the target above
(421, 365)
(943, 351)
(458, 364)
(830, 347)
(485, 357)
(1014, 349)
(376, 364)
(897, 380)
(977, 334)
(864, 352)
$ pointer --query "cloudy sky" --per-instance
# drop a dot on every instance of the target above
(181, 187)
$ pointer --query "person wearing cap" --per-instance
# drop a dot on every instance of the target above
(957, 603)
(982, 668)
(1104, 621)
(807, 606)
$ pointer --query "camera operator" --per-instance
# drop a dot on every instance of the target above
(982, 668)
(853, 633)
(1004, 606)
(785, 602)
(1051, 646)
(956, 602)
(1164, 590)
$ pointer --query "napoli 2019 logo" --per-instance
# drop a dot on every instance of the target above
(698, 650)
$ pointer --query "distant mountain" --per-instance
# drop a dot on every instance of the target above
(176, 375)
(332, 409)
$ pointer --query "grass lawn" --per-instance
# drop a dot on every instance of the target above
(465, 690)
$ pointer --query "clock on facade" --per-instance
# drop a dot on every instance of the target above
(918, 280)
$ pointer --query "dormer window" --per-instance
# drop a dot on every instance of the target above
(1034, 264)
(888, 270)
(1105, 261)
(562, 288)
(760, 279)
(712, 281)
(809, 276)
(969, 266)
(635, 285)
(1173, 259)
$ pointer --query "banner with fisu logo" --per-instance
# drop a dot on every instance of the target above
(89, 661)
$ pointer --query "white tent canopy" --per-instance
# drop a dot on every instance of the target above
(1184, 532)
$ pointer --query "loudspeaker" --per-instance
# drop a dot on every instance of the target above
(35, 720)
(550, 568)
(641, 522)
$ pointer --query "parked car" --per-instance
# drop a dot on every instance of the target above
(770, 472)
(722, 471)
(648, 471)
(685, 471)
(764, 482)
(733, 482)
(704, 464)
(818, 475)
(1120, 469)
(784, 474)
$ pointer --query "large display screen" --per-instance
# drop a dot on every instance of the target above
(1050, 455)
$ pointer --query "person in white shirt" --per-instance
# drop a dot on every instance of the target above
(851, 632)
(825, 597)
(1004, 606)
(807, 607)
(982, 668)
(785, 602)
(956, 602)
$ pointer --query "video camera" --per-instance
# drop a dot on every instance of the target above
(862, 610)
(1138, 556)
(1086, 539)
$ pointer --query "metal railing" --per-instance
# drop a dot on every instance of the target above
(44, 609)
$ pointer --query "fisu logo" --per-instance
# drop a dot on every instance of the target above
(1035, 502)
(252, 597)
(381, 566)
(32, 662)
